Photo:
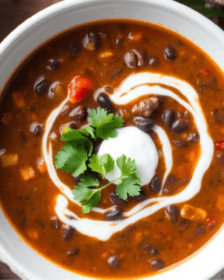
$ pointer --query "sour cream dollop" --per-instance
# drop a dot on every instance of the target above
(135, 144)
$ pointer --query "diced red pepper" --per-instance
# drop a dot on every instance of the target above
(206, 72)
(79, 88)
(210, 223)
(219, 145)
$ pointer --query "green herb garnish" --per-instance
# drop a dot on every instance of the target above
(130, 183)
(77, 155)
(199, 5)
(105, 124)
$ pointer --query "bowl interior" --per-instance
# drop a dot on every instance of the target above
(66, 14)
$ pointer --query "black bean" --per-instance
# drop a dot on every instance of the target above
(220, 158)
(180, 143)
(142, 196)
(173, 211)
(53, 64)
(41, 85)
(146, 107)
(72, 125)
(105, 102)
(91, 42)
(169, 53)
(73, 47)
(145, 124)
(130, 59)
(114, 261)
(79, 113)
(153, 61)
(168, 117)
(219, 116)
(114, 214)
(193, 137)
(180, 125)
(72, 252)
(55, 223)
(155, 184)
(36, 128)
(141, 57)
(157, 264)
(200, 230)
(116, 200)
(183, 224)
(173, 184)
(119, 41)
(68, 232)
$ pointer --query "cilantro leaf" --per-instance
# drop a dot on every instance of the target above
(126, 165)
(77, 138)
(99, 117)
(72, 158)
(82, 190)
(90, 204)
(72, 134)
(105, 124)
(89, 131)
(101, 164)
(129, 186)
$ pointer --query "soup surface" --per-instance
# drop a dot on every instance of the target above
(170, 96)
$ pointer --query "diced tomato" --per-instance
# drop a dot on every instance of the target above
(210, 223)
(79, 88)
(206, 72)
(219, 145)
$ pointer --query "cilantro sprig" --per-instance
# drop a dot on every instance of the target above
(79, 147)
(88, 192)
(76, 156)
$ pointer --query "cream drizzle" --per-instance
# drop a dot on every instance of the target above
(134, 86)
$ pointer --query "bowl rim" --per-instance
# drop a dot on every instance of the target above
(7, 44)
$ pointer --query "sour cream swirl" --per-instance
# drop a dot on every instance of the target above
(135, 86)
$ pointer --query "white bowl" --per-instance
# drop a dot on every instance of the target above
(21, 258)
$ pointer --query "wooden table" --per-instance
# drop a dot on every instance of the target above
(12, 13)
